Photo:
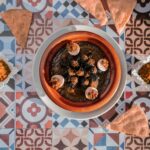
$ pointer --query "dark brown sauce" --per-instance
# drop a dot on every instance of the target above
(61, 62)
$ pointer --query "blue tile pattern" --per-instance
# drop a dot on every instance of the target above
(68, 9)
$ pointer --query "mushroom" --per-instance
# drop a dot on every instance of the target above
(73, 48)
(91, 93)
(80, 72)
(74, 80)
(91, 62)
(57, 81)
(94, 83)
(84, 57)
(71, 72)
(103, 64)
(74, 63)
(86, 82)
(71, 90)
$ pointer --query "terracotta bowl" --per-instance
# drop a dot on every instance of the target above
(115, 71)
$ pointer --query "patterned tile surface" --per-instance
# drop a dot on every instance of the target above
(7, 45)
(101, 139)
(7, 4)
(35, 139)
(68, 9)
(70, 139)
(7, 110)
(7, 137)
(23, 79)
(37, 127)
(137, 37)
(40, 29)
(31, 112)
(39, 7)
(137, 143)
(62, 122)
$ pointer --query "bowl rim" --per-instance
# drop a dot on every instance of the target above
(58, 99)
(50, 104)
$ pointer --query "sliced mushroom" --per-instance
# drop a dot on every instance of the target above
(57, 81)
(103, 64)
(73, 48)
(91, 93)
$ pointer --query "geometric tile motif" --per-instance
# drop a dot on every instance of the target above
(39, 8)
(70, 139)
(137, 143)
(35, 139)
(142, 10)
(7, 110)
(31, 112)
(7, 4)
(7, 45)
(68, 9)
(109, 116)
(61, 122)
(23, 79)
(40, 29)
(102, 139)
(10, 86)
(137, 37)
(4, 30)
(7, 141)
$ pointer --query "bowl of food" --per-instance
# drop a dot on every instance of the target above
(80, 71)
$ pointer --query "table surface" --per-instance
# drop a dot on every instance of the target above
(26, 123)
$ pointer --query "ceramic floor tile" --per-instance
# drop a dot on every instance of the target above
(7, 139)
(7, 109)
(7, 4)
(40, 29)
(31, 112)
(137, 37)
(70, 139)
(4, 30)
(24, 79)
(68, 9)
(102, 139)
(33, 139)
(137, 143)
(7, 45)
(39, 8)
(62, 122)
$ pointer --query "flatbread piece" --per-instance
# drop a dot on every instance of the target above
(121, 11)
(133, 122)
(18, 21)
(94, 7)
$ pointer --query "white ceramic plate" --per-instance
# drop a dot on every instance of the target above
(49, 102)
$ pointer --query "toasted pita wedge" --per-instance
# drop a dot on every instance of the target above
(94, 7)
(18, 21)
(133, 122)
(121, 11)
